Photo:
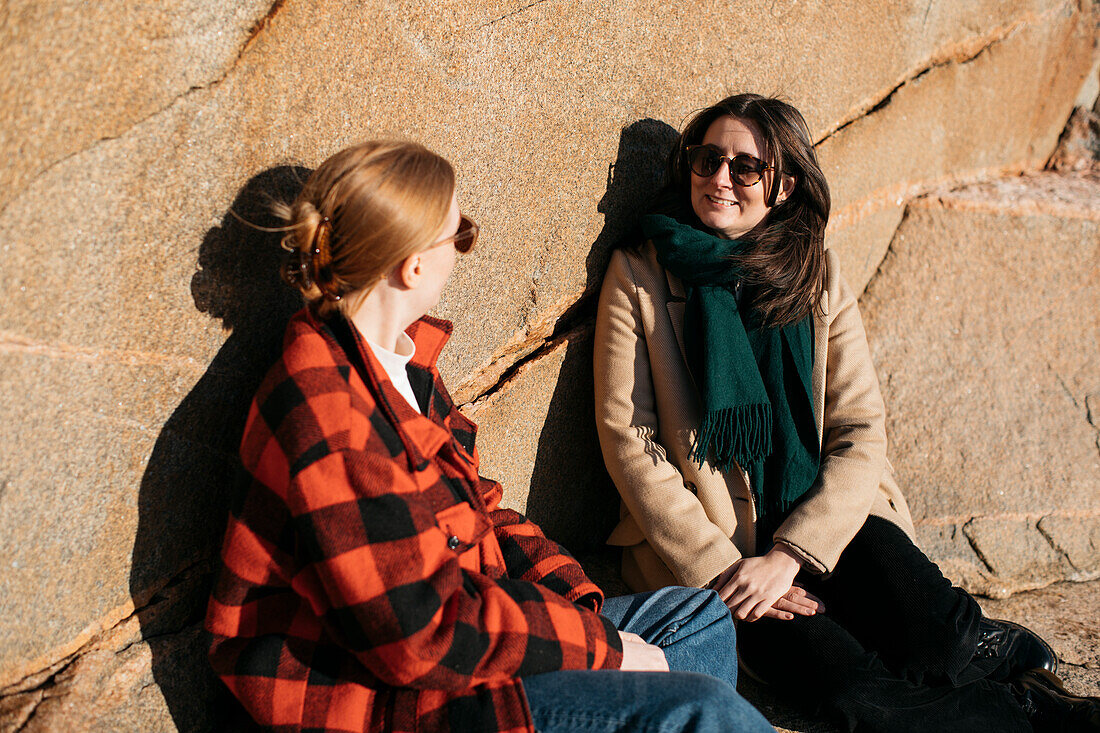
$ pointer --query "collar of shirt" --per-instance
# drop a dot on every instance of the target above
(422, 435)
(394, 363)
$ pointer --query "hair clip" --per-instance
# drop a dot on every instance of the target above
(313, 265)
(321, 259)
(296, 270)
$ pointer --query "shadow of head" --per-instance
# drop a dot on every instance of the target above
(571, 496)
(633, 181)
(237, 280)
(186, 488)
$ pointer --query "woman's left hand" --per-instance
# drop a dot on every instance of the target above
(752, 585)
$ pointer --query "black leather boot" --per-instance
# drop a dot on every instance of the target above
(1050, 707)
(1022, 647)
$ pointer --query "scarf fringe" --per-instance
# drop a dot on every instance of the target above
(742, 434)
(778, 504)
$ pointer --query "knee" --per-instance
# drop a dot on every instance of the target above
(715, 611)
(701, 603)
(713, 604)
(708, 612)
(678, 615)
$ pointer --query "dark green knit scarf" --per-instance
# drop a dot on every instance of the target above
(755, 383)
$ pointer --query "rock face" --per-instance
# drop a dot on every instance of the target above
(139, 314)
(1079, 146)
(538, 434)
(984, 320)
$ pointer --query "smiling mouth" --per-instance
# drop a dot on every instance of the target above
(728, 203)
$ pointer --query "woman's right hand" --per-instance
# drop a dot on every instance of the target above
(762, 587)
(641, 656)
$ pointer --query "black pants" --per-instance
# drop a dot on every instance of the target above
(894, 650)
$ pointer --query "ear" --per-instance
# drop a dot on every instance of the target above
(789, 182)
(410, 271)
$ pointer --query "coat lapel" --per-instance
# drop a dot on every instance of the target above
(821, 349)
(677, 304)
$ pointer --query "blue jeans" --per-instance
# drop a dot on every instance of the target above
(695, 631)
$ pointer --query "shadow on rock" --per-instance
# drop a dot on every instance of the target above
(184, 495)
(571, 496)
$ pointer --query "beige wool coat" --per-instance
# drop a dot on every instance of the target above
(683, 524)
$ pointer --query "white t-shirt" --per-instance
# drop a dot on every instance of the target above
(394, 362)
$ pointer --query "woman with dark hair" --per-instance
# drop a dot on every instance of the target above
(370, 579)
(741, 420)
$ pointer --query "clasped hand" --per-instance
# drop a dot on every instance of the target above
(758, 587)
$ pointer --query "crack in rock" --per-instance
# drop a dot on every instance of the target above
(1065, 387)
(572, 320)
(1054, 544)
(47, 686)
(963, 519)
(509, 374)
(257, 29)
(38, 679)
(927, 11)
(517, 11)
(1092, 410)
(974, 546)
(963, 52)
(45, 677)
(21, 712)
(883, 263)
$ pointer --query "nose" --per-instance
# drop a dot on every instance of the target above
(722, 176)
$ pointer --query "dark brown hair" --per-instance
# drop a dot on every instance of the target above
(785, 259)
(362, 212)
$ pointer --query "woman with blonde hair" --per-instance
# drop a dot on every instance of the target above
(741, 420)
(370, 580)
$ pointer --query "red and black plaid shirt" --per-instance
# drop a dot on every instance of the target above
(370, 582)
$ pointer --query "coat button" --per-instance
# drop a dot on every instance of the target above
(454, 542)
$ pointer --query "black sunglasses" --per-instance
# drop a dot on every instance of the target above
(466, 236)
(745, 170)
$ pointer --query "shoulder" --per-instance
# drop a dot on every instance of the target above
(832, 271)
(837, 295)
(636, 265)
(304, 400)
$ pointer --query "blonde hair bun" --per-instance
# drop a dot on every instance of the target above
(363, 211)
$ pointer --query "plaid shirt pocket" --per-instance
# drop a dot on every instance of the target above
(464, 529)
